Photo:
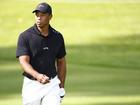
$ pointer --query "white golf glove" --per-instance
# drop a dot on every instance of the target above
(62, 93)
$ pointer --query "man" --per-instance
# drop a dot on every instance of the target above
(41, 53)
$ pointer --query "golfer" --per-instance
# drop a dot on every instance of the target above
(41, 53)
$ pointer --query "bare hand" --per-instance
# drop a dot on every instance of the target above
(42, 78)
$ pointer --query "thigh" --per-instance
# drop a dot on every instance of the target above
(35, 102)
(30, 92)
(51, 100)
(53, 97)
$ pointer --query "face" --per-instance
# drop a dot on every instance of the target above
(42, 19)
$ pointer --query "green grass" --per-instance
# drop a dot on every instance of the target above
(102, 41)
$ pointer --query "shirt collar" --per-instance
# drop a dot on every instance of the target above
(39, 33)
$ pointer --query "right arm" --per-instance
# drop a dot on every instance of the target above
(27, 67)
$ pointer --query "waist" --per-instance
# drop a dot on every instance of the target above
(32, 78)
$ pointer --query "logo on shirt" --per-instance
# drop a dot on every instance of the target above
(46, 48)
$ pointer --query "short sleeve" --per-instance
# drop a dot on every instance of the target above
(62, 51)
(22, 46)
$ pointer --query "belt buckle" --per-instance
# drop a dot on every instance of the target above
(50, 78)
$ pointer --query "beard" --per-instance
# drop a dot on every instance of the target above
(41, 25)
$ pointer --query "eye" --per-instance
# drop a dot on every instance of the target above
(43, 14)
(36, 14)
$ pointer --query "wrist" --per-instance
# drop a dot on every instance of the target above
(35, 74)
(61, 86)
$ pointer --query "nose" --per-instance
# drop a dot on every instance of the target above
(38, 18)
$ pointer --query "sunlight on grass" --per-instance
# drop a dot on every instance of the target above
(10, 66)
(77, 24)
(80, 100)
(83, 100)
(11, 100)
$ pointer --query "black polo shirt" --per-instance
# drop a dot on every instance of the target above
(43, 51)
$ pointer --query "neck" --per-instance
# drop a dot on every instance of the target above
(44, 30)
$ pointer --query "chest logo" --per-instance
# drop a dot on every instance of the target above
(46, 48)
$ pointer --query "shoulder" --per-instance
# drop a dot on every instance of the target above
(56, 33)
(25, 34)
(28, 31)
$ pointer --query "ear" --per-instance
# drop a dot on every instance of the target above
(50, 17)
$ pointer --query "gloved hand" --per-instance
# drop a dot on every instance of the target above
(62, 93)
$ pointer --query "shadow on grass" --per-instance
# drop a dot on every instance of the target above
(121, 53)
(10, 83)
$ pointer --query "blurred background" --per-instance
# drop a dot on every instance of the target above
(102, 38)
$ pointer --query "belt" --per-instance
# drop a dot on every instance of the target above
(32, 78)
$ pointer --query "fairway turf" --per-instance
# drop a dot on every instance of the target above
(103, 52)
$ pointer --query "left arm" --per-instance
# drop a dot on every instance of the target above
(61, 66)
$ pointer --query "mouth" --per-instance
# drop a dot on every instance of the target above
(38, 23)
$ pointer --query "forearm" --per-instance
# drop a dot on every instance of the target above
(27, 67)
(61, 66)
(62, 77)
(24, 62)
